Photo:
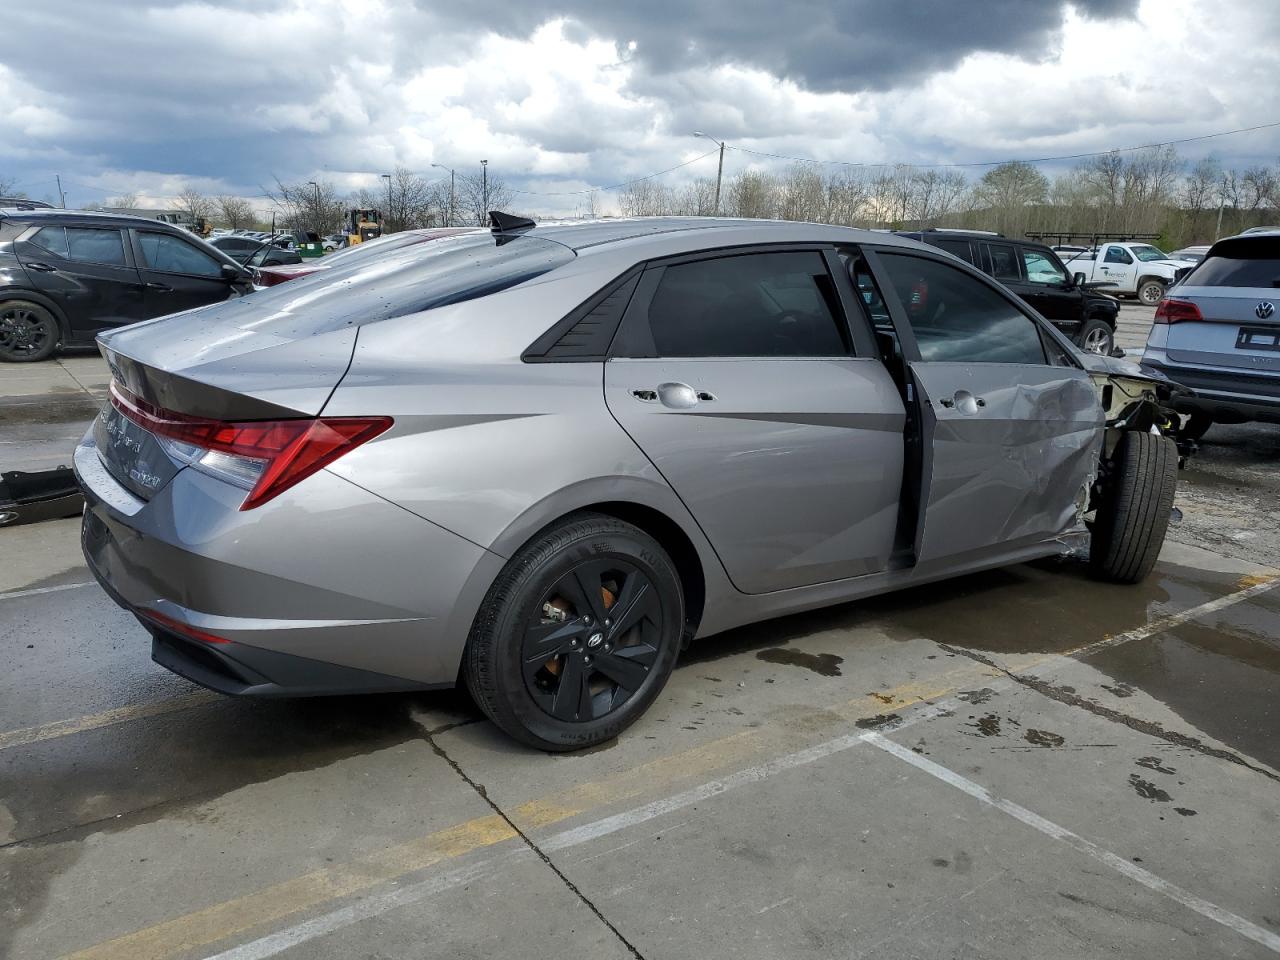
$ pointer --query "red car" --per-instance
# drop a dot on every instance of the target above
(369, 250)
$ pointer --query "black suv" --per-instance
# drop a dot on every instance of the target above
(65, 275)
(1034, 273)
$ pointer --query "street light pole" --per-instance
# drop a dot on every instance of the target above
(719, 170)
(484, 190)
(387, 177)
(449, 216)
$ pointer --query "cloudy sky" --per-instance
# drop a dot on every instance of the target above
(564, 96)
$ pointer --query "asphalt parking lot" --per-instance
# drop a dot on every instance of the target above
(1019, 763)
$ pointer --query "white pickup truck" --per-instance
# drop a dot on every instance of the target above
(1135, 269)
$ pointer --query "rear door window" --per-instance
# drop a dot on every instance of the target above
(1004, 262)
(53, 239)
(958, 317)
(754, 305)
(958, 248)
(95, 245)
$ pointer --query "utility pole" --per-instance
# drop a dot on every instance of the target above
(719, 170)
(448, 217)
(62, 197)
(387, 177)
(319, 218)
(484, 190)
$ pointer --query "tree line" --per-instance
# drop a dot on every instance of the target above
(1151, 191)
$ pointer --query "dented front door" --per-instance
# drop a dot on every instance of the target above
(1009, 451)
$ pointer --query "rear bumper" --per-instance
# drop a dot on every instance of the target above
(1226, 395)
(327, 589)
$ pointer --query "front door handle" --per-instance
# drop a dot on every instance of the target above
(648, 396)
(964, 401)
(160, 287)
(41, 267)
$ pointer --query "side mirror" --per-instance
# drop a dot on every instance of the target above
(1078, 279)
(232, 272)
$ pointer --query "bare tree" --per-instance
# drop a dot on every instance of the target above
(124, 201)
(473, 207)
(303, 206)
(194, 205)
(235, 212)
(753, 194)
(408, 201)
(7, 185)
(646, 198)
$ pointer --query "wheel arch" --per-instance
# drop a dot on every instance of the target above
(647, 504)
(24, 293)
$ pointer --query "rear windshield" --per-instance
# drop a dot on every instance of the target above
(1239, 263)
(430, 274)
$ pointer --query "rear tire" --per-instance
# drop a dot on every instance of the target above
(1151, 292)
(577, 635)
(28, 332)
(1096, 336)
(1134, 513)
(1195, 426)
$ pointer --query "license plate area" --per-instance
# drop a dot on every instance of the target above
(1258, 338)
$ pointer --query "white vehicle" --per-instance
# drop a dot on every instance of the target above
(1132, 269)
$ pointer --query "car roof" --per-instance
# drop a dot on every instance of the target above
(696, 233)
(57, 215)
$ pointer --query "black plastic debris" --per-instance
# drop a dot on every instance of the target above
(29, 497)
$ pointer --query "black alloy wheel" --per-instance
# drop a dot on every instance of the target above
(592, 640)
(28, 332)
(577, 635)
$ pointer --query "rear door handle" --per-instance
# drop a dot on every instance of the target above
(964, 401)
(648, 396)
(160, 287)
(37, 265)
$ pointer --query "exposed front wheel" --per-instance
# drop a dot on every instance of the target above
(578, 634)
(28, 332)
(1151, 292)
(1133, 514)
(1096, 337)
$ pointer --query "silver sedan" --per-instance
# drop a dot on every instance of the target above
(541, 460)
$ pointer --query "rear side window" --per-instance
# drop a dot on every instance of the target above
(754, 305)
(170, 254)
(1004, 262)
(1244, 263)
(957, 317)
(53, 239)
(90, 245)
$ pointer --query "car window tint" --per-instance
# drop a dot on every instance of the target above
(959, 248)
(1004, 262)
(170, 254)
(53, 239)
(957, 317)
(1117, 255)
(95, 245)
(1251, 262)
(756, 305)
(1040, 268)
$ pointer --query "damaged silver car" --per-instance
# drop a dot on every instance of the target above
(541, 460)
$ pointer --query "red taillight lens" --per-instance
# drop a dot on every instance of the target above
(269, 278)
(1176, 311)
(181, 629)
(266, 457)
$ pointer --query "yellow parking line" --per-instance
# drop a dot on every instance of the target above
(63, 728)
(218, 921)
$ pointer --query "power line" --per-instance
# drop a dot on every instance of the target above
(615, 186)
(996, 163)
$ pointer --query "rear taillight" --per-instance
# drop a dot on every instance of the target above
(265, 457)
(269, 278)
(1177, 311)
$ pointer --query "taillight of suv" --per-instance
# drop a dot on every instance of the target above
(1171, 310)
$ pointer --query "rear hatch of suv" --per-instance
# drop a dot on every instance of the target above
(1226, 313)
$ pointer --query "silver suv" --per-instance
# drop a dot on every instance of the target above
(1219, 334)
